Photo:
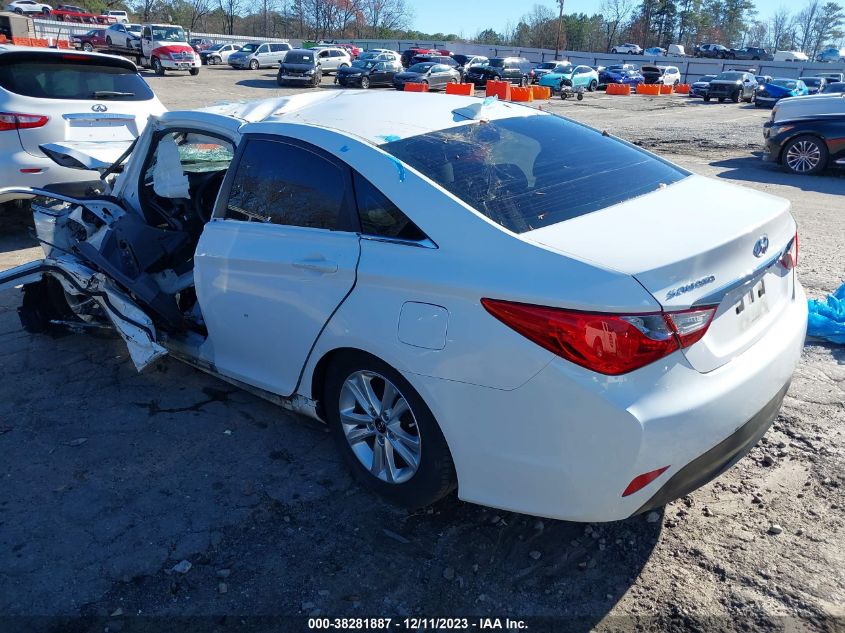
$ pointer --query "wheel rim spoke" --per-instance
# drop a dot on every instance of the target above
(380, 427)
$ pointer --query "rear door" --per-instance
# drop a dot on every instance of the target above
(276, 262)
(77, 97)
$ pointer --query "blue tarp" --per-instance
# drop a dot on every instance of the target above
(827, 318)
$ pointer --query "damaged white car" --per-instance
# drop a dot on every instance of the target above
(472, 294)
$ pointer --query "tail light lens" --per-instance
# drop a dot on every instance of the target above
(18, 121)
(790, 257)
(610, 344)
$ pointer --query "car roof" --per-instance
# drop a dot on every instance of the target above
(350, 112)
(114, 60)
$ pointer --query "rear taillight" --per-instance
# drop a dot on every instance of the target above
(610, 344)
(18, 121)
(789, 260)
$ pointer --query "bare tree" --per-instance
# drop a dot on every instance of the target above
(780, 29)
(805, 21)
(615, 13)
(230, 10)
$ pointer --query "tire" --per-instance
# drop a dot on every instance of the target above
(365, 83)
(108, 40)
(737, 96)
(614, 51)
(354, 405)
(86, 46)
(341, 66)
(19, 11)
(216, 60)
(755, 59)
(721, 99)
(194, 71)
(158, 69)
(253, 64)
(593, 85)
(805, 155)
(45, 11)
(706, 99)
(279, 80)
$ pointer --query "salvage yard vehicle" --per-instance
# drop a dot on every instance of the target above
(750, 52)
(712, 51)
(814, 84)
(831, 55)
(790, 56)
(701, 88)
(301, 67)
(516, 70)
(29, 7)
(218, 54)
(124, 35)
(627, 76)
(733, 85)
(626, 49)
(307, 251)
(90, 41)
(806, 144)
(48, 96)
(777, 89)
(257, 55)
(435, 75)
(367, 73)
(665, 75)
(332, 58)
(165, 47)
(576, 77)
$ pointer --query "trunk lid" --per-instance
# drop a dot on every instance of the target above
(696, 242)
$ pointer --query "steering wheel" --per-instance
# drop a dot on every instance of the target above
(203, 207)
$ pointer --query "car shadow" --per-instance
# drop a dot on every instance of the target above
(16, 228)
(268, 81)
(753, 169)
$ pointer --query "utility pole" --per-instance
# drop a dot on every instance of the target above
(559, 28)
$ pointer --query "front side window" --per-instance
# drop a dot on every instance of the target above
(263, 49)
(529, 172)
(281, 183)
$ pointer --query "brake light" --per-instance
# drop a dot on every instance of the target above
(790, 257)
(18, 121)
(610, 344)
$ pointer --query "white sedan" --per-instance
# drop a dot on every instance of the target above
(472, 295)
(629, 49)
(124, 35)
(27, 7)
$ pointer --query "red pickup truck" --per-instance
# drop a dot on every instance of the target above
(71, 13)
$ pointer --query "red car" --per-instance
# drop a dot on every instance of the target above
(354, 51)
(72, 13)
(92, 40)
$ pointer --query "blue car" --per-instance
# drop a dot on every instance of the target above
(778, 89)
(624, 74)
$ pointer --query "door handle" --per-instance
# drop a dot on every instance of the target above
(316, 265)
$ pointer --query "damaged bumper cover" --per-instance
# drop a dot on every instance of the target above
(135, 327)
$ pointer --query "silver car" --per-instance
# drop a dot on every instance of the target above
(257, 55)
(330, 58)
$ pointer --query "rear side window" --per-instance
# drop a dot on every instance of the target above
(525, 173)
(285, 184)
(49, 77)
(379, 216)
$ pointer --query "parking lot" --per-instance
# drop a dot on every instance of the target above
(110, 478)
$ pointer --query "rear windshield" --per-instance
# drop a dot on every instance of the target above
(811, 81)
(55, 78)
(529, 172)
(299, 58)
(546, 65)
(496, 62)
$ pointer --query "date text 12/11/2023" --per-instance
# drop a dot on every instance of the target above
(416, 624)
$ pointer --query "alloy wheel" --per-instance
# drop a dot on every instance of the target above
(803, 156)
(380, 427)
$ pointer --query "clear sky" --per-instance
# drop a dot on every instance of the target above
(467, 18)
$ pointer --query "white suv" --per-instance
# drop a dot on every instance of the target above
(629, 49)
(331, 58)
(121, 16)
(47, 97)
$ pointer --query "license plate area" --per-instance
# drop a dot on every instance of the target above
(752, 305)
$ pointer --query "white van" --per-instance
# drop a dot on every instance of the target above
(121, 16)
(676, 49)
(790, 56)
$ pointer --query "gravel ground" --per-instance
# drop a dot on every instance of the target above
(111, 479)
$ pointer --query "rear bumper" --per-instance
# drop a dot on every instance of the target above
(718, 459)
(567, 443)
(50, 174)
